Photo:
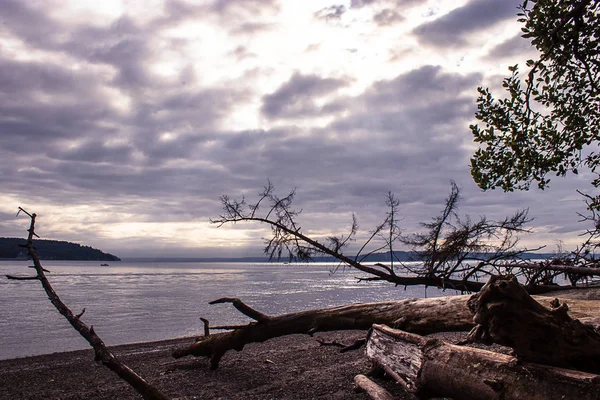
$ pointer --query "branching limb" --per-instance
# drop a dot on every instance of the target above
(243, 308)
(102, 353)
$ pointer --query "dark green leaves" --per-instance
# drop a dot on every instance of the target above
(549, 117)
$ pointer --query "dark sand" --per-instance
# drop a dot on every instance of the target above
(290, 367)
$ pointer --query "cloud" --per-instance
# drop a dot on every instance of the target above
(387, 17)
(29, 23)
(331, 13)
(296, 97)
(422, 85)
(249, 28)
(252, 6)
(361, 3)
(515, 46)
(452, 29)
(124, 122)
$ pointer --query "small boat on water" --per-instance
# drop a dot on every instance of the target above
(104, 265)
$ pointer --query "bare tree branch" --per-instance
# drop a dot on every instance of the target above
(102, 353)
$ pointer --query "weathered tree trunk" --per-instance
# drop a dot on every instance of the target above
(414, 315)
(506, 314)
(431, 367)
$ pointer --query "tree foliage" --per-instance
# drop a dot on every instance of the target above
(548, 122)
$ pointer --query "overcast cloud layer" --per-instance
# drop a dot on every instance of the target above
(122, 123)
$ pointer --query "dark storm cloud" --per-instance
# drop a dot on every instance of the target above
(452, 29)
(296, 97)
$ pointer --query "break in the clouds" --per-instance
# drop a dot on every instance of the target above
(122, 123)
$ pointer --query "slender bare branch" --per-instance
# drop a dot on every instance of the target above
(102, 353)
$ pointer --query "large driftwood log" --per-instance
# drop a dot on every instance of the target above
(506, 314)
(431, 367)
(414, 315)
(449, 313)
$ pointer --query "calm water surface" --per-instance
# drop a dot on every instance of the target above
(135, 302)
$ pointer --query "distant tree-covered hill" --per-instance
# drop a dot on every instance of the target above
(53, 250)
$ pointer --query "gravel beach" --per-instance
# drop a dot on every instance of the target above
(290, 367)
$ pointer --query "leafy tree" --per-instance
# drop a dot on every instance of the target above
(548, 123)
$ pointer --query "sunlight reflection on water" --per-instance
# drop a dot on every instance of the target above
(135, 302)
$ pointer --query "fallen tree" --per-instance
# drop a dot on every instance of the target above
(440, 314)
(455, 253)
(430, 367)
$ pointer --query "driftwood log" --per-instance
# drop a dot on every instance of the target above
(415, 315)
(506, 314)
(374, 391)
(430, 367)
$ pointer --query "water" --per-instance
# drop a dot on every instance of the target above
(136, 302)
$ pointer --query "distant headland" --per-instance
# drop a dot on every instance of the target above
(10, 248)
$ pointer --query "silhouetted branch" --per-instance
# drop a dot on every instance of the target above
(456, 252)
(102, 353)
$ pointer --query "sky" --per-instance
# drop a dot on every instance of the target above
(122, 122)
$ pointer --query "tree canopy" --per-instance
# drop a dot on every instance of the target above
(548, 122)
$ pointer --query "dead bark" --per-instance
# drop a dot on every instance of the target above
(415, 315)
(430, 367)
(506, 314)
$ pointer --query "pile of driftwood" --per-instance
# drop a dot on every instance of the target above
(554, 356)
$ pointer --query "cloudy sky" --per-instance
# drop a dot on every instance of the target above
(123, 121)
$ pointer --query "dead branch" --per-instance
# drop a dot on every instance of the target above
(102, 353)
(445, 248)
